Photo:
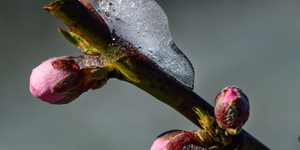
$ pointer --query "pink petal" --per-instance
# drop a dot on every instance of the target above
(43, 78)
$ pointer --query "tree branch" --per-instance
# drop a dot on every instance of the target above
(136, 69)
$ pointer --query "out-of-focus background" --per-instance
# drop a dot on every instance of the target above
(250, 44)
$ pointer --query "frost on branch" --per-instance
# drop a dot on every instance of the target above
(144, 24)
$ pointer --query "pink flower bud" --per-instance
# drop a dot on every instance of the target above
(231, 107)
(177, 139)
(61, 80)
(42, 80)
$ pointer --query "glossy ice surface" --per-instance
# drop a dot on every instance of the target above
(144, 24)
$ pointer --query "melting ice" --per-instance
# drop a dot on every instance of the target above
(145, 25)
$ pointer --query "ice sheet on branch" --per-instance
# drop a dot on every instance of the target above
(145, 25)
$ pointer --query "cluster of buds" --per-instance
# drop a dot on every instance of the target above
(60, 80)
(231, 113)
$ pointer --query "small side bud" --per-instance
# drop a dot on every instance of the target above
(232, 109)
(177, 139)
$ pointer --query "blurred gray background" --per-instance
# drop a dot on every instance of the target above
(250, 44)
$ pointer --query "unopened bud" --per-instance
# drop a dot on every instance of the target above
(177, 139)
(60, 80)
(43, 78)
(232, 109)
